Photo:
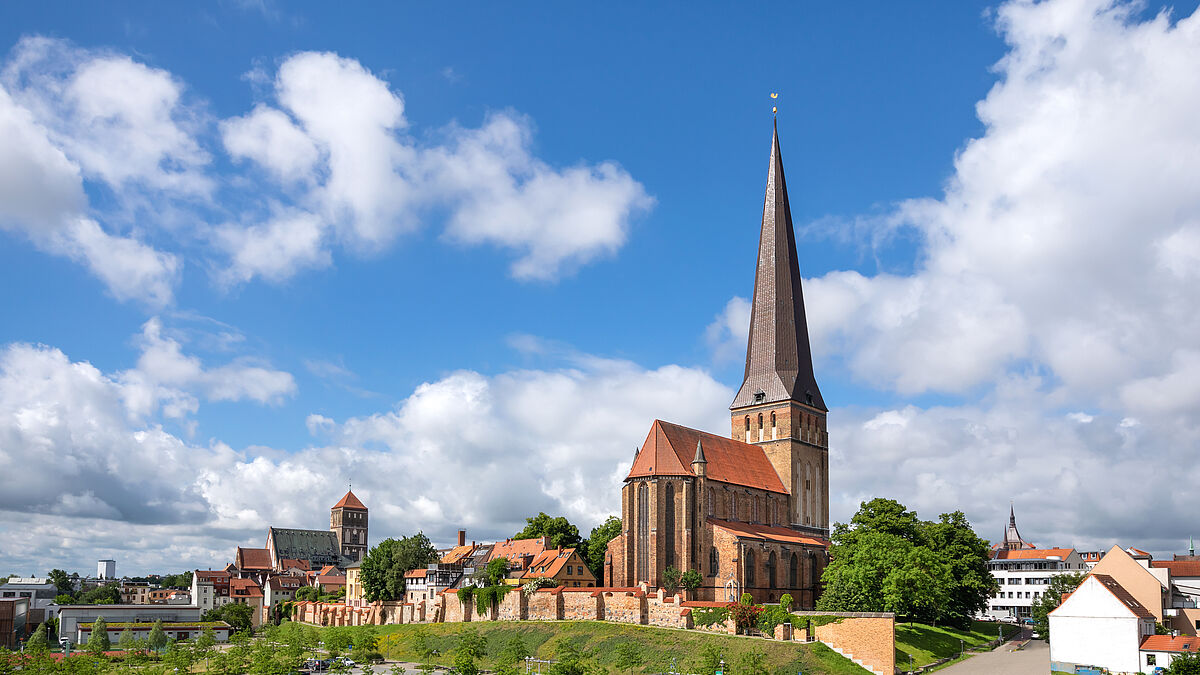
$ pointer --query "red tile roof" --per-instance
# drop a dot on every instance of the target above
(328, 569)
(456, 554)
(670, 448)
(1179, 568)
(283, 583)
(416, 574)
(327, 580)
(288, 563)
(1033, 553)
(349, 502)
(244, 588)
(553, 560)
(514, 550)
(1170, 643)
(253, 558)
(1123, 595)
(212, 574)
(767, 532)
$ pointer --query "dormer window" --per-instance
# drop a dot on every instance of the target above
(760, 396)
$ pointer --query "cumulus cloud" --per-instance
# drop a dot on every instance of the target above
(729, 331)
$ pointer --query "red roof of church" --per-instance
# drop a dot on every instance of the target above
(767, 532)
(670, 448)
(350, 502)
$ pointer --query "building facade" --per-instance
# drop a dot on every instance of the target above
(348, 522)
(106, 569)
(749, 512)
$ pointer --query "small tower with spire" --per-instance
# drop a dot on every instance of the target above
(779, 405)
(1012, 538)
(348, 520)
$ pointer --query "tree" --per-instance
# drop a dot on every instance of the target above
(1184, 664)
(785, 601)
(62, 582)
(1060, 584)
(63, 599)
(126, 642)
(309, 593)
(670, 579)
(570, 659)
(514, 651)
(967, 556)
(158, 637)
(710, 660)
(383, 568)
(629, 656)
(691, 580)
(237, 615)
(108, 594)
(38, 642)
(597, 545)
(753, 663)
(559, 530)
(98, 641)
(920, 587)
(495, 571)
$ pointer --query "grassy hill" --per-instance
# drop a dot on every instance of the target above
(927, 644)
(658, 645)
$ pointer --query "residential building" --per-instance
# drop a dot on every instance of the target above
(70, 617)
(280, 588)
(1023, 575)
(248, 592)
(1158, 651)
(519, 553)
(415, 587)
(135, 592)
(1102, 625)
(169, 596)
(425, 584)
(348, 522)
(106, 569)
(354, 590)
(210, 588)
(14, 618)
(564, 565)
(40, 592)
(750, 512)
(253, 563)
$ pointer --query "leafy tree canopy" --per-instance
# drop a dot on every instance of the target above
(597, 544)
(559, 530)
(108, 594)
(235, 614)
(62, 582)
(1184, 664)
(887, 559)
(383, 568)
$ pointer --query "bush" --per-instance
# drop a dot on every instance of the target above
(708, 616)
(745, 616)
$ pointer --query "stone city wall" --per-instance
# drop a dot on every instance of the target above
(868, 638)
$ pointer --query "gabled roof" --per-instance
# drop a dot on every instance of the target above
(288, 563)
(669, 449)
(1123, 595)
(553, 560)
(419, 573)
(1033, 553)
(319, 547)
(283, 583)
(1179, 568)
(785, 535)
(253, 559)
(457, 554)
(244, 588)
(1170, 643)
(349, 501)
(212, 574)
(778, 356)
(515, 550)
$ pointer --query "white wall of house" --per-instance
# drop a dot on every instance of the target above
(1022, 582)
(1092, 627)
(70, 616)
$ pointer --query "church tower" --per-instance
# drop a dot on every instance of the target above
(348, 520)
(779, 406)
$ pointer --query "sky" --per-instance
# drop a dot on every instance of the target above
(252, 253)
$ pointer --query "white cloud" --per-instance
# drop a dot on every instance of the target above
(728, 333)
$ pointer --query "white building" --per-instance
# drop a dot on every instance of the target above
(106, 569)
(1023, 576)
(210, 589)
(70, 617)
(41, 594)
(1099, 625)
(1158, 651)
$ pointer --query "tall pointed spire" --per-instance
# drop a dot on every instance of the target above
(778, 356)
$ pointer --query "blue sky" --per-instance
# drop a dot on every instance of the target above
(663, 112)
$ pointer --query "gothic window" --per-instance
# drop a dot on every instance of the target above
(792, 570)
(771, 570)
(643, 533)
(669, 524)
(710, 501)
(774, 429)
(749, 568)
(753, 510)
(733, 507)
(713, 564)
(747, 425)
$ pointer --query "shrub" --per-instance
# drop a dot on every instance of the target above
(708, 616)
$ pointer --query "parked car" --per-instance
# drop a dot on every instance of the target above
(1028, 621)
(1036, 635)
(1008, 619)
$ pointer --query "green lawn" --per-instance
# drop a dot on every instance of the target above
(658, 645)
(927, 643)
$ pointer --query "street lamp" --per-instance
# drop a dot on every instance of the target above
(962, 647)
(721, 667)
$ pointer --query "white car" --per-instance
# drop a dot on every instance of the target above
(1008, 619)
(1036, 635)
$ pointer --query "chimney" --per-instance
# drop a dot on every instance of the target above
(462, 537)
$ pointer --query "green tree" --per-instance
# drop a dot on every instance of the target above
(670, 579)
(158, 637)
(63, 599)
(785, 601)
(691, 580)
(710, 660)
(920, 587)
(495, 571)
(98, 641)
(967, 556)
(421, 644)
(569, 659)
(126, 642)
(309, 593)
(560, 531)
(753, 663)
(1060, 584)
(1184, 664)
(62, 582)
(383, 568)
(108, 594)
(38, 642)
(629, 656)
(514, 651)
(597, 545)
(464, 663)
(237, 615)
(888, 516)
(473, 643)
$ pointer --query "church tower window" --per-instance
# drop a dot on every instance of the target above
(710, 501)
(774, 428)
(760, 426)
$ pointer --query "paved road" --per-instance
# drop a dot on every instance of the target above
(1006, 659)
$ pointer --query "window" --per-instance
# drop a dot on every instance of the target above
(710, 501)
(714, 565)
(1151, 659)
(771, 570)
(793, 566)
(747, 426)
(749, 568)
(643, 533)
(669, 524)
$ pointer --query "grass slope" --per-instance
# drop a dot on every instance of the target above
(658, 645)
(927, 643)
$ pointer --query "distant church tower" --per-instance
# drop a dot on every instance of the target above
(348, 520)
(1012, 538)
(779, 406)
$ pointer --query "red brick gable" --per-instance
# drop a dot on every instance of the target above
(669, 449)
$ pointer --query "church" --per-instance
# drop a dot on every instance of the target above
(749, 512)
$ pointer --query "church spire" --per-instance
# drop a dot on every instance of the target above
(778, 356)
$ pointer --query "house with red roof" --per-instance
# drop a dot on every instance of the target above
(1102, 625)
(563, 565)
(748, 512)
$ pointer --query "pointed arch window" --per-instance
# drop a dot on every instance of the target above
(774, 428)
(793, 569)
(754, 509)
(669, 523)
(732, 507)
(749, 568)
(643, 532)
(771, 570)
(711, 501)
(714, 564)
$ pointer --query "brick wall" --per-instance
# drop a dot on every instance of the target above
(513, 607)
(545, 605)
(624, 605)
(870, 638)
(582, 605)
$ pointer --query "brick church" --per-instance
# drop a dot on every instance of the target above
(750, 513)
